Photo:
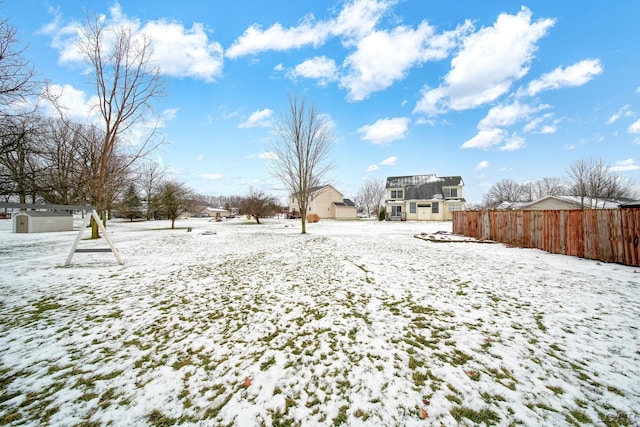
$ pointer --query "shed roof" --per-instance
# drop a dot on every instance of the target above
(44, 214)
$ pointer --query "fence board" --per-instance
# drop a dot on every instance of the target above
(611, 235)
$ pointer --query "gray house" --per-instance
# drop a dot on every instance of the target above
(423, 197)
(42, 221)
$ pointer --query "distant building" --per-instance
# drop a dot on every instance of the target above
(423, 197)
(42, 221)
(568, 202)
(326, 202)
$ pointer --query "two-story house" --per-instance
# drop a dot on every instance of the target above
(423, 197)
(327, 202)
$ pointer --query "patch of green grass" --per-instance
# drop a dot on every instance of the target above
(492, 398)
(483, 416)
(342, 416)
(618, 419)
(454, 399)
(158, 419)
(414, 363)
(266, 364)
(579, 416)
(539, 323)
(615, 390)
(556, 389)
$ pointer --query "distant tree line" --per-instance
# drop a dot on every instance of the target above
(591, 181)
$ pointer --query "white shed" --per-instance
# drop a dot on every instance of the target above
(42, 221)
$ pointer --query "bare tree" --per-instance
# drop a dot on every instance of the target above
(594, 181)
(534, 190)
(20, 160)
(17, 82)
(302, 151)
(549, 186)
(62, 151)
(259, 204)
(371, 195)
(126, 81)
(150, 175)
(505, 190)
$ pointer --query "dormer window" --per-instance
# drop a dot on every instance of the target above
(396, 194)
(450, 193)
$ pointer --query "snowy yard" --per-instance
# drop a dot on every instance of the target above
(356, 323)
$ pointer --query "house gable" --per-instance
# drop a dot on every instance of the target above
(327, 202)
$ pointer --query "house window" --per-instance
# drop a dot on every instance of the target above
(435, 207)
(450, 192)
(396, 194)
(412, 207)
(396, 210)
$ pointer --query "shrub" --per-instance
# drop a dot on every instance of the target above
(382, 215)
(313, 217)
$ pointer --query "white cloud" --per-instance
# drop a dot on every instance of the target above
(573, 75)
(507, 115)
(482, 165)
(321, 68)
(178, 51)
(624, 165)
(269, 155)
(490, 60)
(402, 48)
(211, 176)
(635, 127)
(77, 106)
(373, 168)
(549, 129)
(356, 19)
(485, 139)
(255, 39)
(384, 131)
(182, 52)
(260, 118)
(389, 161)
(513, 143)
(625, 111)
(199, 157)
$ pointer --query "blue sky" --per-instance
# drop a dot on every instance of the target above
(482, 89)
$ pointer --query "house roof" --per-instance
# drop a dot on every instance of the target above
(423, 187)
(632, 204)
(418, 180)
(345, 202)
(577, 201)
(322, 187)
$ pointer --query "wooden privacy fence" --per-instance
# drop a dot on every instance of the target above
(609, 235)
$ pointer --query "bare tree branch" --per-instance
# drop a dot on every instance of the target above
(302, 151)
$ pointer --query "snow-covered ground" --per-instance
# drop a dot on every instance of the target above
(355, 323)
